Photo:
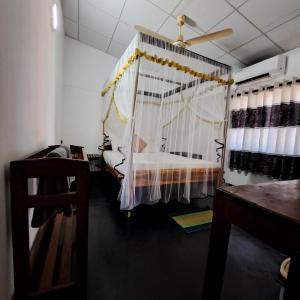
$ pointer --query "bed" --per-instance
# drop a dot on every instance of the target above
(173, 168)
(161, 99)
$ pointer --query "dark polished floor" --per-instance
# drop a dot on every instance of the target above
(150, 258)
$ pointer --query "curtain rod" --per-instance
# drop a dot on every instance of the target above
(159, 78)
(267, 88)
(177, 90)
(145, 38)
(185, 86)
(149, 94)
(182, 87)
(171, 92)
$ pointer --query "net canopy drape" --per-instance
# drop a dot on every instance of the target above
(164, 111)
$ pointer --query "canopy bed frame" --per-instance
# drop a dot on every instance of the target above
(167, 175)
(157, 94)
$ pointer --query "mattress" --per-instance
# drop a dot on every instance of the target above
(162, 160)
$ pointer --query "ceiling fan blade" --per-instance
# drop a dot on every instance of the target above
(152, 33)
(190, 21)
(210, 36)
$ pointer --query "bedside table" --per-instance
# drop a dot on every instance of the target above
(95, 161)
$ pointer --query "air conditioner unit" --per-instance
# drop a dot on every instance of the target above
(268, 69)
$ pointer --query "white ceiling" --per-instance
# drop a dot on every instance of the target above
(262, 28)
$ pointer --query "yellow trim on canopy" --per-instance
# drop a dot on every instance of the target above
(217, 122)
(110, 104)
(162, 61)
(188, 106)
(120, 116)
(175, 117)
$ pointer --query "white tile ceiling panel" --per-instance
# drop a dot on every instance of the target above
(70, 9)
(116, 49)
(170, 30)
(207, 49)
(205, 13)
(112, 7)
(236, 3)
(256, 50)
(96, 20)
(144, 13)
(266, 14)
(124, 33)
(166, 5)
(287, 36)
(108, 25)
(93, 38)
(71, 28)
(243, 31)
(231, 61)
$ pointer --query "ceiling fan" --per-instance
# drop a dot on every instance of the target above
(179, 41)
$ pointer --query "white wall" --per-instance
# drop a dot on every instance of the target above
(58, 70)
(28, 50)
(236, 177)
(85, 71)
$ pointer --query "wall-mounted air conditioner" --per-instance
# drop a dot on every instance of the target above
(268, 69)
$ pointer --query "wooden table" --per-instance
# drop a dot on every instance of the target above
(268, 211)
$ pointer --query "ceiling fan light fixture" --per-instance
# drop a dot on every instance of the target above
(179, 37)
(180, 20)
(179, 44)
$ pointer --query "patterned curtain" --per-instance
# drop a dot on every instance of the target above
(264, 133)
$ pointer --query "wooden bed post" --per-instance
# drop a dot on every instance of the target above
(226, 122)
(129, 212)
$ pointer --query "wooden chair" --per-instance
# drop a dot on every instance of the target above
(56, 265)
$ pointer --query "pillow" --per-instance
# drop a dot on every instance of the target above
(138, 144)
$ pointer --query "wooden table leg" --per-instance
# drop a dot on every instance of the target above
(216, 261)
(292, 291)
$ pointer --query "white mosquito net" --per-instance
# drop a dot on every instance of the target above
(164, 113)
